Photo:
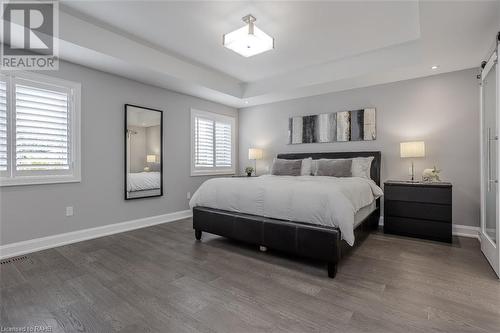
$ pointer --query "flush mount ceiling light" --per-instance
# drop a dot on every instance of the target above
(248, 40)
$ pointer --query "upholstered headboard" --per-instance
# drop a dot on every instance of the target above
(375, 169)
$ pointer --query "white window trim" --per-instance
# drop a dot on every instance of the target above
(75, 116)
(213, 171)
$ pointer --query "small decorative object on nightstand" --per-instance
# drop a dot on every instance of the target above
(249, 171)
(417, 209)
(431, 175)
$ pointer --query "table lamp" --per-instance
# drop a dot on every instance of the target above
(151, 158)
(411, 150)
(255, 154)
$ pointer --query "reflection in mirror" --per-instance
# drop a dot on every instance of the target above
(143, 155)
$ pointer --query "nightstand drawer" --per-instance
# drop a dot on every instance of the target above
(437, 195)
(418, 228)
(418, 210)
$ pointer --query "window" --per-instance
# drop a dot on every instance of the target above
(39, 130)
(212, 143)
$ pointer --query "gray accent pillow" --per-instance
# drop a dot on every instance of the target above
(334, 168)
(286, 167)
(156, 167)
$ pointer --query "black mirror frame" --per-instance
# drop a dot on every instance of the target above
(125, 152)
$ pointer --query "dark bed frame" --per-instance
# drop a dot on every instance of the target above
(304, 239)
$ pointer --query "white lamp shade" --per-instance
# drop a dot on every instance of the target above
(254, 154)
(151, 158)
(247, 44)
(412, 149)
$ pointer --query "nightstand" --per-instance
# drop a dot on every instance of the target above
(422, 210)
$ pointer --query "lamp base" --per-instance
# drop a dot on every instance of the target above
(412, 172)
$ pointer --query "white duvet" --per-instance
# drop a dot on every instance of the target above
(320, 200)
(141, 181)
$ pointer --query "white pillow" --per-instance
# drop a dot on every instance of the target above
(306, 169)
(360, 167)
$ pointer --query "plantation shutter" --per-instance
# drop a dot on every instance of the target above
(39, 130)
(213, 142)
(42, 128)
(204, 142)
(3, 126)
(223, 147)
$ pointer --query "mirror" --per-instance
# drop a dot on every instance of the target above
(143, 152)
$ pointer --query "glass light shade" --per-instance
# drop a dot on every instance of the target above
(412, 149)
(151, 158)
(254, 154)
(247, 44)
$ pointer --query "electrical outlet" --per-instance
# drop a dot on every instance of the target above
(69, 211)
(188, 195)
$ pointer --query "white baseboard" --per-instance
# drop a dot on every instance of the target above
(466, 231)
(38, 244)
(457, 229)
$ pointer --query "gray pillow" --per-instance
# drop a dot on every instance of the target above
(286, 167)
(155, 167)
(334, 168)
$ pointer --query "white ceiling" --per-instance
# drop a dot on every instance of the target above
(319, 46)
(305, 33)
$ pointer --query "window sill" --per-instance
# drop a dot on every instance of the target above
(37, 180)
(212, 173)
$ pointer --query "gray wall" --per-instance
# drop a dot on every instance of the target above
(153, 135)
(137, 153)
(28, 212)
(442, 110)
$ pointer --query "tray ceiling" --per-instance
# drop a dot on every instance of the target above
(320, 46)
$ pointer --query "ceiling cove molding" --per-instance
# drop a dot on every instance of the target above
(368, 80)
(77, 32)
(353, 67)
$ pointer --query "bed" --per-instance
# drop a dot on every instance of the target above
(140, 184)
(305, 225)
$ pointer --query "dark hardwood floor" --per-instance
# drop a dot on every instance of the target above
(159, 279)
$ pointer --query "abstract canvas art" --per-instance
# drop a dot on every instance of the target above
(356, 125)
